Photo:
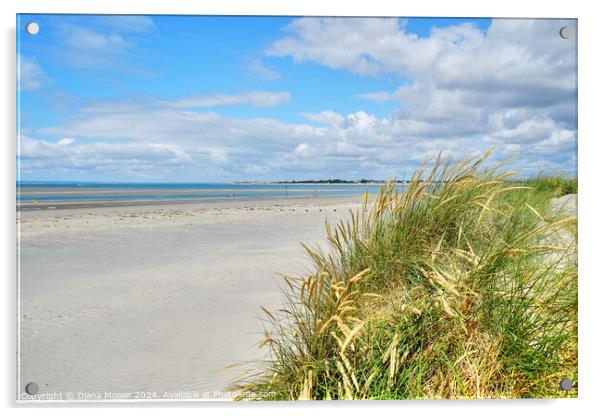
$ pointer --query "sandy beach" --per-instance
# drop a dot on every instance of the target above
(155, 298)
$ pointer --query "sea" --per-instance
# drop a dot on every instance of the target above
(38, 192)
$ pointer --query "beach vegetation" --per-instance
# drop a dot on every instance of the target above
(463, 285)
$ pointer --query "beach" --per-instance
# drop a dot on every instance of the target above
(156, 298)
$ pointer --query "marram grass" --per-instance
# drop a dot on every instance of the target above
(462, 286)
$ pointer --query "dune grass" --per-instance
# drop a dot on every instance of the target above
(554, 185)
(462, 286)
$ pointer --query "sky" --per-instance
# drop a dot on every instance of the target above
(222, 99)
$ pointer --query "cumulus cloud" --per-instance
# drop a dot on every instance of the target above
(370, 46)
(89, 154)
(354, 145)
(513, 86)
(70, 158)
(460, 91)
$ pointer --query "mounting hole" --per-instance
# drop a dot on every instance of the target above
(566, 384)
(31, 388)
(32, 28)
(565, 32)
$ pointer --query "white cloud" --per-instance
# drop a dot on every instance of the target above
(110, 44)
(355, 145)
(102, 159)
(258, 68)
(303, 150)
(83, 39)
(31, 76)
(377, 96)
(66, 142)
(369, 46)
(218, 154)
(328, 117)
(89, 154)
(257, 99)
(340, 146)
(514, 86)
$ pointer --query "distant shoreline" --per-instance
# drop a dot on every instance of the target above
(51, 206)
(95, 184)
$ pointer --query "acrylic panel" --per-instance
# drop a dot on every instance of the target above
(286, 208)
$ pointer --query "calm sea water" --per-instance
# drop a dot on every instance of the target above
(74, 191)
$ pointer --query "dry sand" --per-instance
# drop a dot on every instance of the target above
(155, 298)
(566, 204)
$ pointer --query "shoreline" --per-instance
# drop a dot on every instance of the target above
(169, 191)
(192, 202)
(100, 219)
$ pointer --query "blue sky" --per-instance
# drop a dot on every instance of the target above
(201, 98)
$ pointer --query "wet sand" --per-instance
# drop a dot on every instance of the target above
(155, 299)
(44, 198)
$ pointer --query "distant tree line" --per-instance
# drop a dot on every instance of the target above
(321, 181)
